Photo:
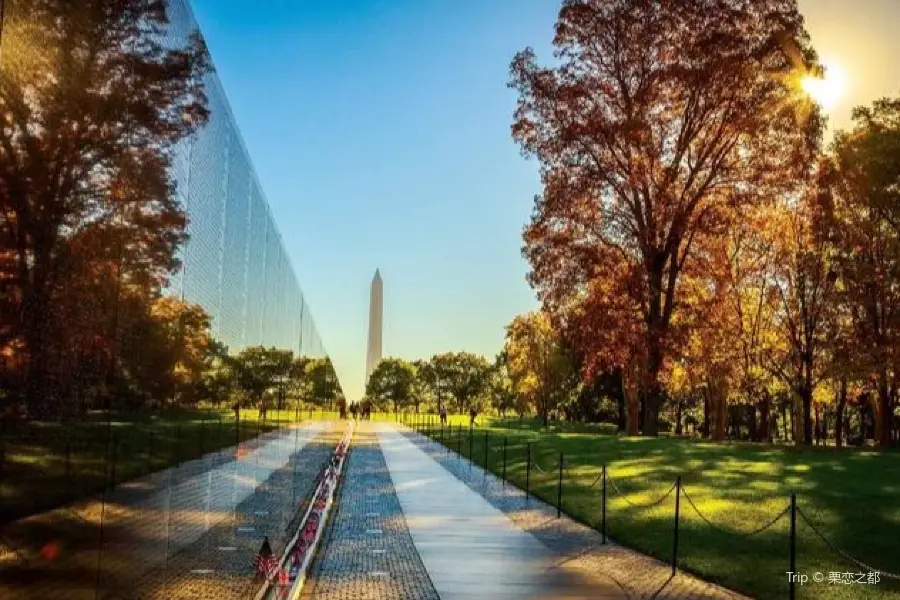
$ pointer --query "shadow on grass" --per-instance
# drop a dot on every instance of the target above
(850, 495)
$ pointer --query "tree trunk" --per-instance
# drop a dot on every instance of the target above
(706, 410)
(719, 412)
(652, 393)
(752, 423)
(805, 393)
(652, 402)
(784, 421)
(629, 390)
(622, 421)
(763, 430)
(678, 409)
(818, 424)
(883, 415)
(35, 308)
(839, 416)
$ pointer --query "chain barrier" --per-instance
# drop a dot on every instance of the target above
(843, 554)
(537, 467)
(629, 502)
(570, 476)
(746, 534)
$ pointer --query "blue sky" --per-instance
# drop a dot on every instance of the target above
(380, 133)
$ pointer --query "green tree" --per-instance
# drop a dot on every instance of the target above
(299, 383)
(218, 381)
(262, 371)
(324, 387)
(500, 387)
(392, 383)
(461, 375)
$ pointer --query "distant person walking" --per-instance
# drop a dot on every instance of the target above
(472, 414)
(262, 410)
(443, 416)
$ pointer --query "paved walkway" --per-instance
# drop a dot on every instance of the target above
(367, 552)
(470, 548)
(578, 548)
(145, 522)
(406, 528)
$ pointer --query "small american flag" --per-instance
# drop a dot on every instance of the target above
(265, 563)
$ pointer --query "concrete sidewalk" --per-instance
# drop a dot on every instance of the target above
(471, 549)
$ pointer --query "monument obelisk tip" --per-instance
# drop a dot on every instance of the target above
(376, 310)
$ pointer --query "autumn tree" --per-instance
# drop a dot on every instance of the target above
(747, 312)
(92, 101)
(392, 383)
(541, 369)
(164, 350)
(660, 123)
(865, 225)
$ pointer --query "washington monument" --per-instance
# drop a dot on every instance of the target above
(376, 308)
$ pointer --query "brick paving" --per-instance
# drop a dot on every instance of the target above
(56, 554)
(579, 547)
(368, 553)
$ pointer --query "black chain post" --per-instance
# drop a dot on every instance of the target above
(485, 452)
(68, 461)
(115, 459)
(505, 441)
(675, 541)
(150, 453)
(793, 570)
(528, 473)
(471, 442)
(177, 444)
(202, 432)
(603, 515)
(559, 488)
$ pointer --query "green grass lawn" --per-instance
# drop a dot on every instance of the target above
(852, 496)
(44, 464)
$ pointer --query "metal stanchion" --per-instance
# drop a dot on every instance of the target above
(793, 552)
(505, 442)
(603, 516)
(675, 539)
(559, 488)
(528, 472)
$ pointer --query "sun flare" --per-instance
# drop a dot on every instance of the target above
(827, 89)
